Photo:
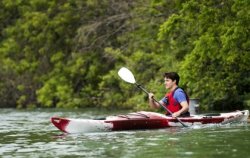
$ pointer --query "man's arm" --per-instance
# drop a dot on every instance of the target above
(184, 109)
(152, 103)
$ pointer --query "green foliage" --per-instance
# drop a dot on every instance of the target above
(217, 65)
(67, 53)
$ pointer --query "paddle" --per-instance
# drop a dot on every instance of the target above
(128, 76)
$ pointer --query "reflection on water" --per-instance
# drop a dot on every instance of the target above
(30, 134)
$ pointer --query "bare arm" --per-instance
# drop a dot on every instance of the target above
(152, 103)
(184, 109)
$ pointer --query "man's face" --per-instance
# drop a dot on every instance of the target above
(169, 83)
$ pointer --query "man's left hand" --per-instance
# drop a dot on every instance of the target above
(176, 114)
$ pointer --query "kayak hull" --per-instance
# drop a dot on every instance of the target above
(143, 120)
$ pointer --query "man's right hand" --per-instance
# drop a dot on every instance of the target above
(150, 96)
(152, 101)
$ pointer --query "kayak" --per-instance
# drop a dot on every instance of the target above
(144, 120)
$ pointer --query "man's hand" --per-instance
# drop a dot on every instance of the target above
(152, 101)
(176, 114)
(150, 96)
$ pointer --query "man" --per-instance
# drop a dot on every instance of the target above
(176, 100)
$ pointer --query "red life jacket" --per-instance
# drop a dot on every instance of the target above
(173, 105)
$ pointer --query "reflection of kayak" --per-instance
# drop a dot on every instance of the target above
(143, 120)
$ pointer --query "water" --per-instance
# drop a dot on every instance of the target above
(25, 134)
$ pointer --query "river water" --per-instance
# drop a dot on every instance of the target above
(26, 134)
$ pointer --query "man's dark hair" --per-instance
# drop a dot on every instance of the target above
(173, 76)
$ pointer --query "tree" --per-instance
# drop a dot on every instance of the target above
(212, 39)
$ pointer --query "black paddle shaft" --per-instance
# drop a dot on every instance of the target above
(164, 107)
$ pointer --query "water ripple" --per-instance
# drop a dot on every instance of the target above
(30, 134)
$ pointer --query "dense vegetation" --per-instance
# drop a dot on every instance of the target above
(57, 53)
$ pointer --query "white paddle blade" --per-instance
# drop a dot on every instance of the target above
(126, 75)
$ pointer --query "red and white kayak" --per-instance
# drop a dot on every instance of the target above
(143, 120)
